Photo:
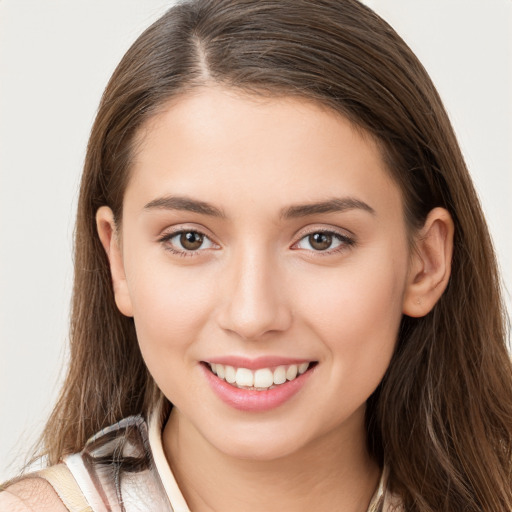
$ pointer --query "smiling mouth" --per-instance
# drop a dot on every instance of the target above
(262, 379)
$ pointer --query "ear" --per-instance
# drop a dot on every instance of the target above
(109, 237)
(430, 265)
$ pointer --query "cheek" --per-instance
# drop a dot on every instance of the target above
(169, 305)
(357, 314)
(169, 311)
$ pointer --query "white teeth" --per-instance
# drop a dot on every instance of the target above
(303, 367)
(291, 372)
(230, 374)
(261, 379)
(244, 377)
(280, 375)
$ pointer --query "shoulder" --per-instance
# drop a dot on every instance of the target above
(30, 494)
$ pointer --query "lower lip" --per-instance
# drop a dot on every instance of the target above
(252, 400)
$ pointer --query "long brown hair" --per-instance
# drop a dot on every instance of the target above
(441, 420)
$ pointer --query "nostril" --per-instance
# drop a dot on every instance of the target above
(254, 303)
(255, 322)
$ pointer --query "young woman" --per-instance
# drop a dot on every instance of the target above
(285, 295)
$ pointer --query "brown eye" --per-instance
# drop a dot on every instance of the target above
(327, 242)
(187, 243)
(191, 240)
(320, 241)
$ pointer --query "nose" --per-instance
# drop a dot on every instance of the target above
(255, 300)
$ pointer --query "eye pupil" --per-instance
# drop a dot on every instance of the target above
(191, 240)
(320, 241)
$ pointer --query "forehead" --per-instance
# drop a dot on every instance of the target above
(216, 141)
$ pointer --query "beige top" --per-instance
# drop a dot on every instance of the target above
(172, 490)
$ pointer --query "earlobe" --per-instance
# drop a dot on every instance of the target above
(430, 265)
(107, 232)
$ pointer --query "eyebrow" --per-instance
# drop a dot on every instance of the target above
(335, 205)
(184, 204)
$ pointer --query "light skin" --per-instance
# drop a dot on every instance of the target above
(268, 275)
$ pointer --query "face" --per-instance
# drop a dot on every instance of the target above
(263, 255)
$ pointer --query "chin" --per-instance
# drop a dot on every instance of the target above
(263, 451)
(252, 442)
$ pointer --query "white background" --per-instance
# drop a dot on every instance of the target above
(55, 59)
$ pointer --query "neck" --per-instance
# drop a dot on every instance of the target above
(334, 472)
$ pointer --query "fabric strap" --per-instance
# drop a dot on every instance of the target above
(61, 479)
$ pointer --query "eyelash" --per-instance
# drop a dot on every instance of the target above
(167, 237)
(345, 242)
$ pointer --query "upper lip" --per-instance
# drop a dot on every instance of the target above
(258, 362)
